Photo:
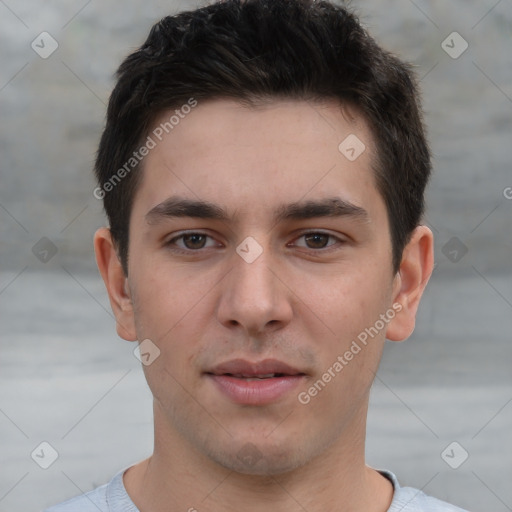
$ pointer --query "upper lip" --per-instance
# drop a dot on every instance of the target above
(244, 368)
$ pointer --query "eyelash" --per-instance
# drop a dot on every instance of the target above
(176, 249)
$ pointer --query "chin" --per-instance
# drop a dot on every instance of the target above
(261, 465)
(259, 457)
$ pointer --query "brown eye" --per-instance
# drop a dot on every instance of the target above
(191, 242)
(194, 241)
(317, 240)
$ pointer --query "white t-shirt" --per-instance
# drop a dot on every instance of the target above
(112, 497)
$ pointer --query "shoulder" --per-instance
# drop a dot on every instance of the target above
(111, 497)
(92, 501)
(413, 500)
(408, 499)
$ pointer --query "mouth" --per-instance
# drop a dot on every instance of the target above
(251, 378)
(259, 383)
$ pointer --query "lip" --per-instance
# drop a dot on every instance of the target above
(246, 368)
(238, 380)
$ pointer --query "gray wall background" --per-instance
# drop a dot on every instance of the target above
(65, 379)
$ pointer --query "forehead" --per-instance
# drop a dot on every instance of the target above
(258, 156)
(271, 122)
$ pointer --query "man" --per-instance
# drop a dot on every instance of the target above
(262, 168)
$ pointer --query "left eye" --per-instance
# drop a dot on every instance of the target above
(317, 240)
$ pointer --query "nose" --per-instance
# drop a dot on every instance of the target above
(254, 295)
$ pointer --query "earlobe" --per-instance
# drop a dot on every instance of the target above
(410, 282)
(116, 283)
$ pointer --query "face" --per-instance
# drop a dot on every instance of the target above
(260, 268)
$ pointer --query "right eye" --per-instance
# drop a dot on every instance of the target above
(191, 241)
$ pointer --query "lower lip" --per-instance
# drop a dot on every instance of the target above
(256, 392)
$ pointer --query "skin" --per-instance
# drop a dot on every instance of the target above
(302, 301)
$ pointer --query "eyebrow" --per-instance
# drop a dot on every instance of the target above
(176, 206)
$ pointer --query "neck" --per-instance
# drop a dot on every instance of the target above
(178, 474)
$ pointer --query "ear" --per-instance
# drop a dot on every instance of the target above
(116, 283)
(410, 282)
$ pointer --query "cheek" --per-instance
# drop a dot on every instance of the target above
(349, 303)
(170, 310)
(164, 299)
(349, 363)
(172, 376)
(352, 309)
